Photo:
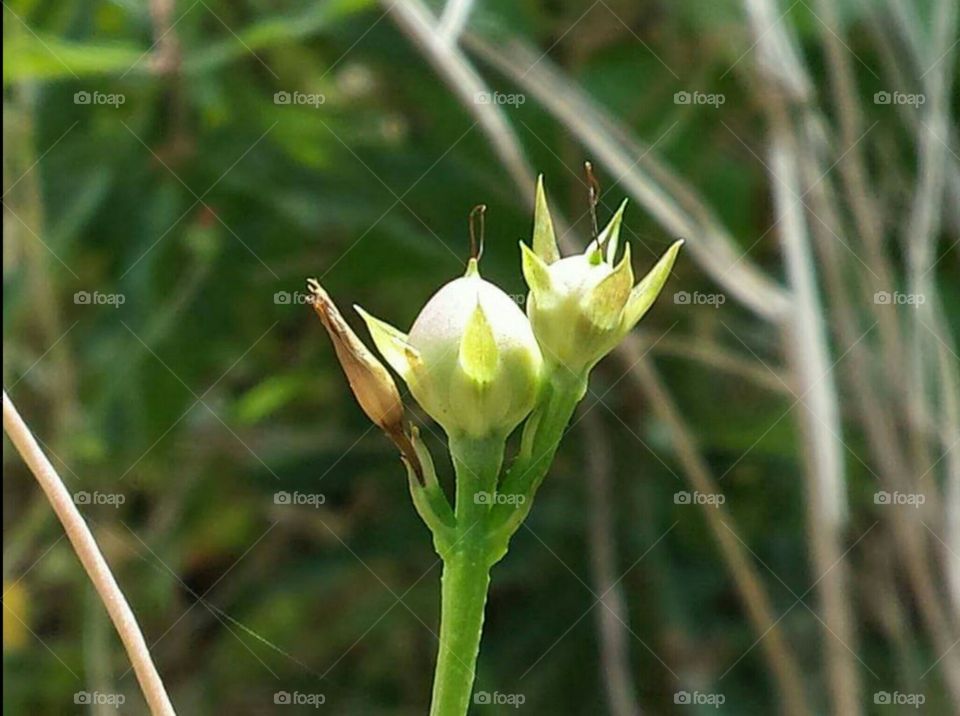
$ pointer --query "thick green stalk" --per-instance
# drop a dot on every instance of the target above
(466, 573)
(484, 523)
(466, 576)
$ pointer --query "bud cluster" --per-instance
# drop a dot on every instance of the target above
(474, 362)
(479, 366)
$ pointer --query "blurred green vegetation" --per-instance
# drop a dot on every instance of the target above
(205, 205)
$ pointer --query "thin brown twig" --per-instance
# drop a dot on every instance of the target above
(805, 335)
(780, 657)
(612, 619)
(91, 558)
(878, 419)
(866, 209)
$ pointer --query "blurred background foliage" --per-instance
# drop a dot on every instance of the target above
(205, 204)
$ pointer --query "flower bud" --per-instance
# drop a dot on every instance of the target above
(370, 381)
(581, 306)
(470, 360)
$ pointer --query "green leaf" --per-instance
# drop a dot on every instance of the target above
(273, 31)
(267, 397)
(31, 56)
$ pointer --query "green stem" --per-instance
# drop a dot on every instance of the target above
(477, 462)
(563, 391)
(466, 572)
(466, 577)
(483, 527)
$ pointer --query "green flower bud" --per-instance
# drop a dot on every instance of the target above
(471, 360)
(581, 306)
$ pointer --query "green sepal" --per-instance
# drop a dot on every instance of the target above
(605, 303)
(479, 355)
(544, 237)
(610, 236)
(646, 292)
(392, 344)
(535, 270)
(431, 504)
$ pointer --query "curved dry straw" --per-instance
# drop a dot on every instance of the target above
(91, 558)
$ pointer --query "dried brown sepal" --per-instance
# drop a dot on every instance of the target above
(371, 383)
